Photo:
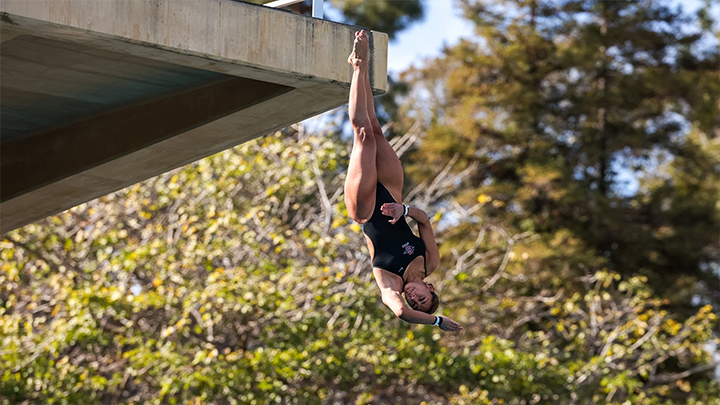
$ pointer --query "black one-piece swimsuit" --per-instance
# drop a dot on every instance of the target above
(395, 244)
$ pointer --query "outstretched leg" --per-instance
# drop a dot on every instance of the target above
(389, 168)
(361, 180)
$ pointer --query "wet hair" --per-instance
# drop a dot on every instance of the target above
(434, 303)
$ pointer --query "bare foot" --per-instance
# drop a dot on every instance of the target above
(359, 55)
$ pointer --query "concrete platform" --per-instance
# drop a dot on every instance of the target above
(99, 95)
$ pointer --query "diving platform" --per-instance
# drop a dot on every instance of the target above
(98, 95)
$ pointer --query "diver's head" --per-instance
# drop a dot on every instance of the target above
(421, 297)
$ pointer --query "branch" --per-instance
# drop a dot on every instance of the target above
(503, 265)
(53, 262)
(461, 260)
(666, 378)
(327, 206)
(402, 143)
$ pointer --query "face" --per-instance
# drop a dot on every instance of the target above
(418, 295)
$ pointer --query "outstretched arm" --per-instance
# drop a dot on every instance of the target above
(393, 299)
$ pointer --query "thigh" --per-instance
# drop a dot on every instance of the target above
(361, 180)
(389, 168)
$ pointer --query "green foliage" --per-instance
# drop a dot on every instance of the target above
(229, 281)
(239, 280)
(381, 15)
(552, 104)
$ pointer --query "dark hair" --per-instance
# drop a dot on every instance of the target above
(434, 303)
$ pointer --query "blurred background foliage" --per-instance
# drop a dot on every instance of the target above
(239, 280)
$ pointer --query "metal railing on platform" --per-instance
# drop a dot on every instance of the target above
(317, 6)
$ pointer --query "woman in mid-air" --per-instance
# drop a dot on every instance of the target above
(373, 192)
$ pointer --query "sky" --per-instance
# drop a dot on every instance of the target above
(443, 25)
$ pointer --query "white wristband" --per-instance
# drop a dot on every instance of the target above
(407, 209)
(437, 321)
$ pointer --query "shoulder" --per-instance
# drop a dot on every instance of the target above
(387, 280)
(391, 290)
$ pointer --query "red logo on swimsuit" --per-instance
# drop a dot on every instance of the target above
(409, 249)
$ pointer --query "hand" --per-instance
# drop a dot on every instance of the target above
(393, 210)
(450, 325)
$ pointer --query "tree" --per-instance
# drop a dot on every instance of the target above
(237, 279)
(554, 103)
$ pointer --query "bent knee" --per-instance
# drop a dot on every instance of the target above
(361, 221)
(356, 214)
(357, 217)
(364, 133)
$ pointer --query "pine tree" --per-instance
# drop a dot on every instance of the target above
(557, 102)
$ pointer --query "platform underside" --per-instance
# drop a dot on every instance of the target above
(97, 96)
